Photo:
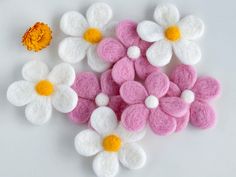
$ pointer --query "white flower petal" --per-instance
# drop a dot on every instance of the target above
(73, 23)
(132, 156)
(109, 30)
(95, 62)
(188, 52)
(150, 31)
(64, 99)
(191, 27)
(62, 73)
(103, 120)
(35, 71)
(166, 15)
(72, 49)
(39, 110)
(20, 93)
(128, 136)
(106, 164)
(160, 53)
(88, 143)
(99, 14)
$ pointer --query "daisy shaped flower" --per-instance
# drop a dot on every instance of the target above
(127, 52)
(93, 93)
(85, 35)
(111, 143)
(171, 33)
(41, 89)
(196, 92)
(148, 103)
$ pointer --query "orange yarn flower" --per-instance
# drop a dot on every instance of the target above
(37, 37)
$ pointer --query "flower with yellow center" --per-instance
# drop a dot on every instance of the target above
(112, 143)
(93, 35)
(44, 88)
(172, 33)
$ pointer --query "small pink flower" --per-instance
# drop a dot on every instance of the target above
(147, 103)
(196, 92)
(93, 94)
(127, 52)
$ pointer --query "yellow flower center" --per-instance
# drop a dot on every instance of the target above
(44, 88)
(173, 33)
(112, 143)
(93, 35)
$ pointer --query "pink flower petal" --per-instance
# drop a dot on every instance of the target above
(82, 111)
(202, 115)
(182, 122)
(184, 76)
(134, 117)
(126, 33)
(133, 92)
(174, 106)
(117, 104)
(86, 85)
(157, 84)
(110, 50)
(108, 85)
(123, 71)
(143, 45)
(206, 88)
(173, 90)
(161, 123)
(143, 68)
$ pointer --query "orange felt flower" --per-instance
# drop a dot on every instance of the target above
(37, 37)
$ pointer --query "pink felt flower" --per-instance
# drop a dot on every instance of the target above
(148, 103)
(92, 94)
(196, 92)
(127, 52)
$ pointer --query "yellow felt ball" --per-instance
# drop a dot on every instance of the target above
(112, 143)
(44, 88)
(93, 35)
(173, 33)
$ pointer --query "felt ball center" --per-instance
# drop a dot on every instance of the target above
(93, 35)
(151, 102)
(188, 96)
(173, 33)
(102, 99)
(133, 52)
(44, 88)
(112, 143)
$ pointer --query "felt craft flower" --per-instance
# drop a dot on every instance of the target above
(196, 92)
(37, 37)
(111, 143)
(85, 35)
(41, 89)
(148, 104)
(127, 52)
(171, 32)
(93, 93)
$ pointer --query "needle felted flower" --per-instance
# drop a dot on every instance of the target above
(196, 92)
(85, 35)
(93, 93)
(41, 89)
(127, 52)
(171, 32)
(110, 143)
(37, 37)
(148, 104)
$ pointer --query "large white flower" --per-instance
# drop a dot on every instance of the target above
(86, 34)
(171, 32)
(41, 89)
(111, 142)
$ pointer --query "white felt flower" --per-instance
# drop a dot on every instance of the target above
(171, 32)
(111, 142)
(41, 89)
(85, 35)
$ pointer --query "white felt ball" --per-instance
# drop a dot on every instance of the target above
(188, 96)
(133, 52)
(151, 102)
(102, 99)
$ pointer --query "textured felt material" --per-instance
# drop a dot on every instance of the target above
(182, 122)
(117, 104)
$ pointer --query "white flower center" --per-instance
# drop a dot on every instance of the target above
(133, 52)
(102, 99)
(188, 96)
(151, 102)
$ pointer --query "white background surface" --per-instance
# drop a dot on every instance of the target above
(48, 151)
